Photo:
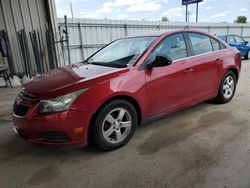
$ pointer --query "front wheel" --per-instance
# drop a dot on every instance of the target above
(227, 88)
(114, 125)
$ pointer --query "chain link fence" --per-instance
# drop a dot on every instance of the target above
(88, 35)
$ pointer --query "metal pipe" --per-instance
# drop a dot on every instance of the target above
(24, 61)
(51, 66)
(35, 47)
(26, 49)
(40, 51)
(42, 44)
(53, 47)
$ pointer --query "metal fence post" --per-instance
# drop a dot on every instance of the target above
(81, 40)
(126, 29)
(159, 27)
(67, 38)
(241, 32)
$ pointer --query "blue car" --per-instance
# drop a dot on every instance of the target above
(238, 42)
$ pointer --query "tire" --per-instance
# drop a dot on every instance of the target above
(227, 88)
(110, 131)
(246, 57)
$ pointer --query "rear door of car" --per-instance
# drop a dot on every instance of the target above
(231, 40)
(208, 62)
(170, 86)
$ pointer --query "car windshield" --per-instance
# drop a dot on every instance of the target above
(121, 53)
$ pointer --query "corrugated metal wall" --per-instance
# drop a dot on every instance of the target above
(30, 15)
(88, 35)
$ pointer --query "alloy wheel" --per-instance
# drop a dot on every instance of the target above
(228, 87)
(117, 125)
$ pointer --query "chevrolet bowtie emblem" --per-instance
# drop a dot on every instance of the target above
(18, 100)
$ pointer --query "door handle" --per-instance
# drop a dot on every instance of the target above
(218, 60)
(187, 70)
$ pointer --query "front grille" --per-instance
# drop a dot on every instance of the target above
(23, 103)
(55, 136)
(27, 96)
(20, 109)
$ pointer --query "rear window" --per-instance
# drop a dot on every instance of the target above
(222, 46)
(215, 44)
(201, 43)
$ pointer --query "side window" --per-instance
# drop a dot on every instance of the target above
(239, 39)
(201, 43)
(173, 46)
(216, 44)
(222, 46)
(230, 39)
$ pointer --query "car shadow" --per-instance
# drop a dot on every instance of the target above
(178, 114)
(15, 147)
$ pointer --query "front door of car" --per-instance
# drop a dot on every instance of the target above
(169, 87)
(231, 40)
(242, 45)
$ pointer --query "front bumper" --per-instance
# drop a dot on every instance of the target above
(68, 128)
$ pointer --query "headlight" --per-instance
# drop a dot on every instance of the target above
(58, 104)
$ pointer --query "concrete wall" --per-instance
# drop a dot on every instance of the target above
(88, 35)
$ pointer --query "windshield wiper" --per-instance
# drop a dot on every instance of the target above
(108, 64)
(85, 62)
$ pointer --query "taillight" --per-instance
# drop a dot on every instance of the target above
(237, 59)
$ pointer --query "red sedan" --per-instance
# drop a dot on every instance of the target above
(133, 79)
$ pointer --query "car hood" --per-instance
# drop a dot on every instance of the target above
(69, 79)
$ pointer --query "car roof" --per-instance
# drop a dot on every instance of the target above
(148, 34)
(160, 33)
(166, 33)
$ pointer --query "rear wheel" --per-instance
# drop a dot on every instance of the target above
(246, 57)
(114, 125)
(227, 88)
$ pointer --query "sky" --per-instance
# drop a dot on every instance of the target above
(209, 10)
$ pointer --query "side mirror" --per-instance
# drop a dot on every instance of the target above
(160, 61)
(246, 42)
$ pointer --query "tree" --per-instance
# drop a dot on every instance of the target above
(241, 19)
(164, 19)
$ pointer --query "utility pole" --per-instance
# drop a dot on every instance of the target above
(188, 2)
(71, 9)
(186, 12)
(197, 7)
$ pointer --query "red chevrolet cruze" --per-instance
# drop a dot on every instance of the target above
(104, 98)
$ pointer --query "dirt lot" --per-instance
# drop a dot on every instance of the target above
(206, 145)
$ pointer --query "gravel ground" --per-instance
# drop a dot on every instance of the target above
(206, 145)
